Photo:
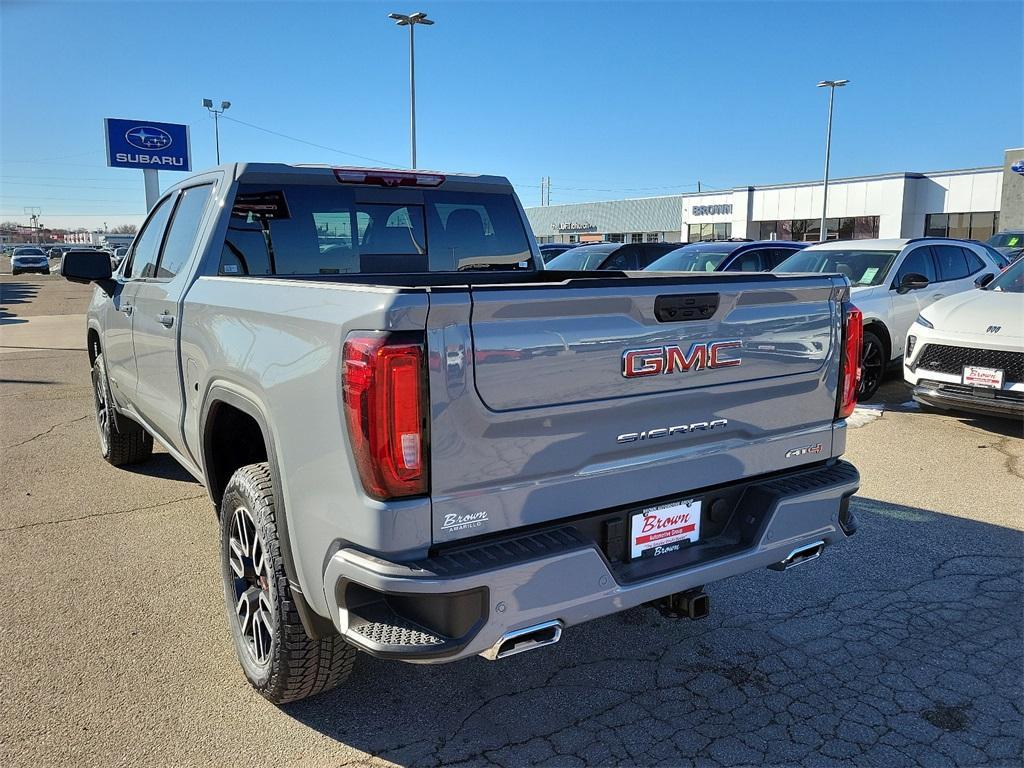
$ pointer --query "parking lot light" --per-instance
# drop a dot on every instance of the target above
(410, 21)
(831, 85)
(224, 106)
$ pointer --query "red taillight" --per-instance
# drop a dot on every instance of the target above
(386, 178)
(849, 370)
(384, 389)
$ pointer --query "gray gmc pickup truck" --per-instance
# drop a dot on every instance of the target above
(424, 446)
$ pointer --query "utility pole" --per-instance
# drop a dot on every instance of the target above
(33, 212)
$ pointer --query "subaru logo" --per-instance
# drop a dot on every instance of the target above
(1018, 167)
(148, 137)
(994, 329)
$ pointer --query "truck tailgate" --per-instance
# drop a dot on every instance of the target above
(552, 401)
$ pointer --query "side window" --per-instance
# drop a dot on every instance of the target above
(776, 256)
(748, 261)
(650, 254)
(624, 258)
(918, 261)
(147, 243)
(184, 230)
(952, 263)
(974, 262)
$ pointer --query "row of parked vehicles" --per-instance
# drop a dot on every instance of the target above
(37, 259)
(892, 280)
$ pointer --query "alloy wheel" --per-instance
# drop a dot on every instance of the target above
(248, 562)
(102, 409)
(871, 368)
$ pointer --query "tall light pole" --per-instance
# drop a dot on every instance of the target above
(411, 21)
(831, 85)
(224, 105)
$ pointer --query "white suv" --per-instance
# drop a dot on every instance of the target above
(893, 280)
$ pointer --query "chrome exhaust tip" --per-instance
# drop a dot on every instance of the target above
(799, 556)
(526, 639)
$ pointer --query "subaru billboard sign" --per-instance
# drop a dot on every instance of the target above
(147, 145)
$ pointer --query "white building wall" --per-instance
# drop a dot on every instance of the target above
(901, 201)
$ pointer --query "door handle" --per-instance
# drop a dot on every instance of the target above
(127, 309)
(166, 320)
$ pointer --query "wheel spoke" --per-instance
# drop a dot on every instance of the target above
(247, 559)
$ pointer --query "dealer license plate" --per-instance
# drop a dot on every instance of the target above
(664, 528)
(983, 377)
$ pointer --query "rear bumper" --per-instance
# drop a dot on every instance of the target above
(462, 602)
(965, 398)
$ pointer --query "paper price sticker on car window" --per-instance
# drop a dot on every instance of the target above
(662, 529)
(869, 275)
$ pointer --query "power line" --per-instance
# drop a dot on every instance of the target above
(64, 186)
(73, 178)
(312, 143)
(85, 200)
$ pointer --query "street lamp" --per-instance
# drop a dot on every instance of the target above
(224, 105)
(411, 21)
(831, 85)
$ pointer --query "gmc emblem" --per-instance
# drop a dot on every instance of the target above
(655, 360)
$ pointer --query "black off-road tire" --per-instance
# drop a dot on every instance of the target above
(295, 666)
(122, 441)
(874, 364)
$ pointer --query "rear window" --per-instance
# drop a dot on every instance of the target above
(326, 230)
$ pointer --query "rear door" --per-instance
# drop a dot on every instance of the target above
(155, 329)
(549, 415)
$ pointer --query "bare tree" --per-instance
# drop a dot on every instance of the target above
(125, 229)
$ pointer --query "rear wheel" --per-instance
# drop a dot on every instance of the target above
(279, 659)
(873, 361)
(122, 441)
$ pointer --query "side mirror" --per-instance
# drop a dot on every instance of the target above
(88, 267)
(912, 281)
(984, 280)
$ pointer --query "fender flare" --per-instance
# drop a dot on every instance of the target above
(316, 626)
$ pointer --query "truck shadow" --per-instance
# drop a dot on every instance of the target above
(902, 645)
(15, 293)
(162, 466)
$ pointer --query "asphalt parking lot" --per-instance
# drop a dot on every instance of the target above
(903, 646)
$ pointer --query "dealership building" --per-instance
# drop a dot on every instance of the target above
(965, 203)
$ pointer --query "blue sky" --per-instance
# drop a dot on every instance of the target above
(612, 99)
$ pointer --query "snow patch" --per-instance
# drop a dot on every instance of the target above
(864, 414)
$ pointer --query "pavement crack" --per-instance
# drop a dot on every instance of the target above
(48, 431)
(102, 514)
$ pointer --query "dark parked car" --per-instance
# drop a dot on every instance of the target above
(1009, 242)
(727, 256)
(548, 251)
(620, 256)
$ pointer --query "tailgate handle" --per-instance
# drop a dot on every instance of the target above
(691, 306)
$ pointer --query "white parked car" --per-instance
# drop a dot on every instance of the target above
(966, 352)
(893, 280)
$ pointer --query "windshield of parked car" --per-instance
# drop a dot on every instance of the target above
(1010, 281)
(29, 252)
(1006, 240)
(311, 229)
(861, 267)
(691, 258)
(582, 258)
